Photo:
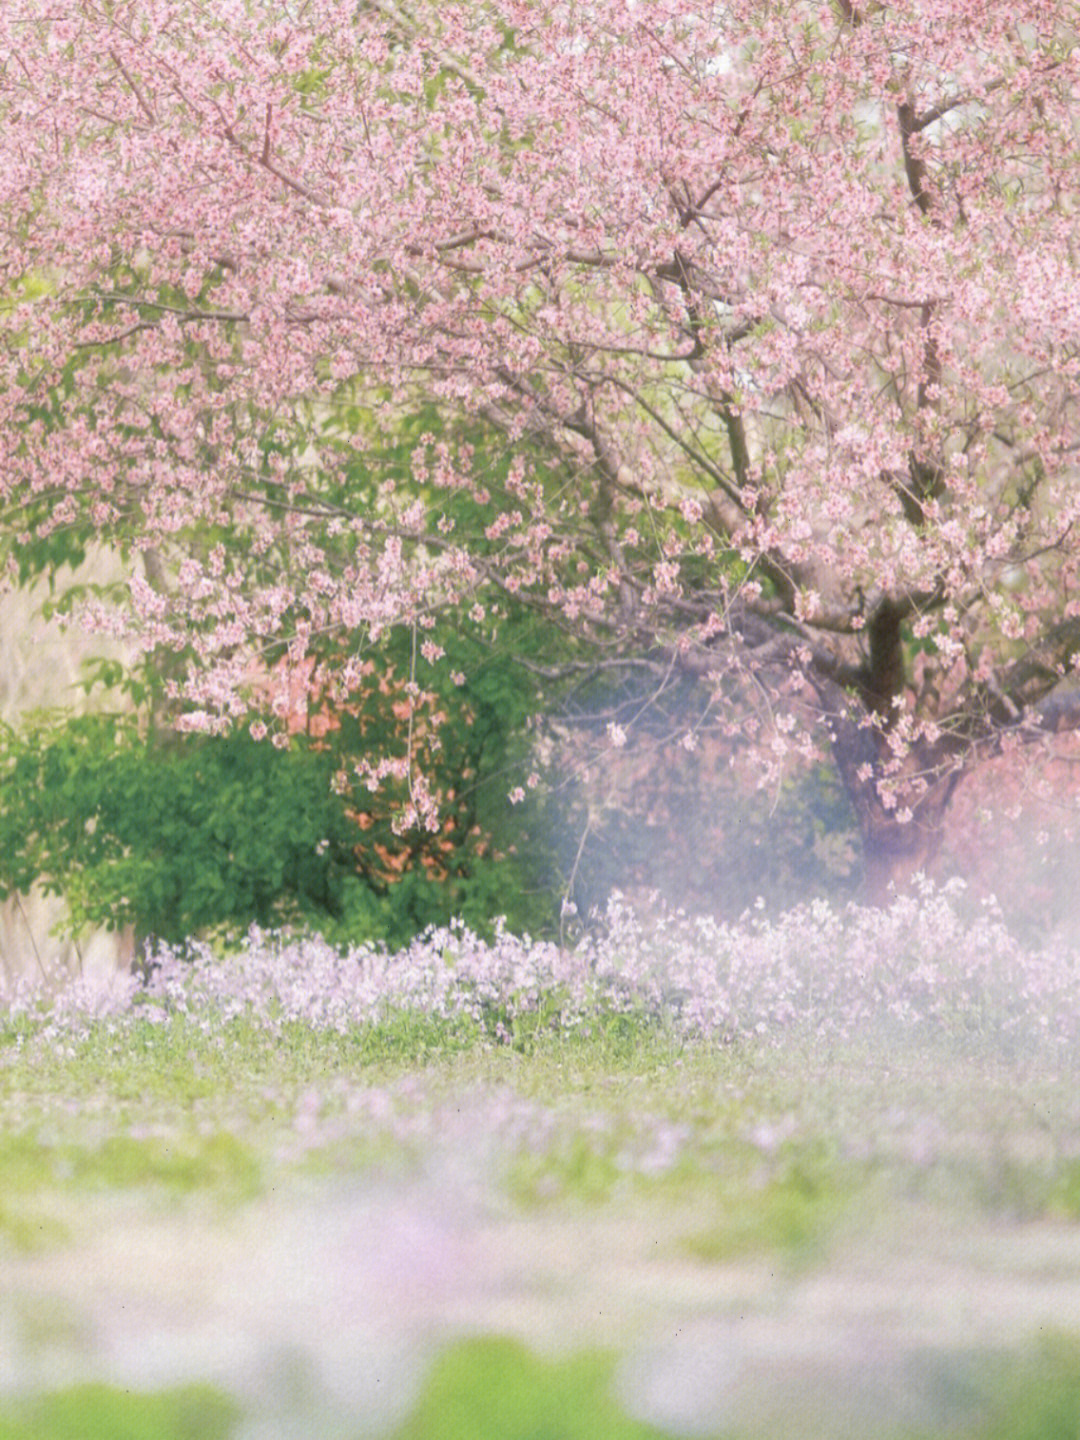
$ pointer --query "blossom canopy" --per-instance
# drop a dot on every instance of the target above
(775, 309)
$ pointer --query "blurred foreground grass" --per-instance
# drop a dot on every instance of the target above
(777, 1144)
(726, 1151)
(498, 1389)
(102, 1412)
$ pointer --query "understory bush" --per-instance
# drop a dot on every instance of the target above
(133, 823)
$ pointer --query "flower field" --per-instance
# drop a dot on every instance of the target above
(816, 1175)
(921, 967)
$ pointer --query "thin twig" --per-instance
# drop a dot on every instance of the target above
(570, 882)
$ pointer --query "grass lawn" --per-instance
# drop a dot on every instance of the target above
(436, 1225)
(200, 1227)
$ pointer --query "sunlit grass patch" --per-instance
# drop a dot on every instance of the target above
(500, 1390)
(1036, 1397)
(104, 1412)
(26, 1228)
(576, 1167)
(42, 1173)
(184, 1059)
(587, 1114)
(180, 1163)
(27, 1171)
(789, 1205)
(712, 1135)
(763, 1147)
(763, 1142)
(1064, 1198)
(405, 1037)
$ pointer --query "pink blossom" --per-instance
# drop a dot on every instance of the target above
(774, 314)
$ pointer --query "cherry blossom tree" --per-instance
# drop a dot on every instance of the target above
(774, 306)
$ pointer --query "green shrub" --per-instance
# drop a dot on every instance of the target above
(182, 833)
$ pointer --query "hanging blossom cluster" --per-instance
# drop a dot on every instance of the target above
(921, 967)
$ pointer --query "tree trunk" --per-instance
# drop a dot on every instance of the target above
(895, 848)
(899, 794)
(893, 853)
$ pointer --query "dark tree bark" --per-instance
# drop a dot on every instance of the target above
(1028, 703)
(894, 849)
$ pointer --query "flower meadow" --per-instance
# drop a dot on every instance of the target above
(925, 966)
(673, 1138)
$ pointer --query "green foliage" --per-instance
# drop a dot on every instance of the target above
(168, 837)
(178, 834)
(43, 555)
(491, 858)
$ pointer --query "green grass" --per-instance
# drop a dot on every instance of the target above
(186, 1113)
(39, 1173)
(179, 1163)
(1036, 1397)
(102, 1412)
(788, 1208)
(495, 1387)
(782, 1154)
(498, 1389)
